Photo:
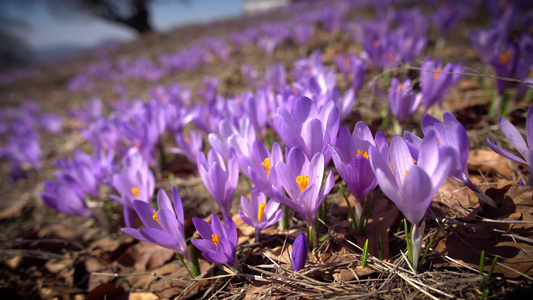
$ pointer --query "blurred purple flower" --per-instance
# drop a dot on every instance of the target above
(259, 213)
(230, 137)
(208, 91)
(65, 196)
(436, 80)
(403, 100)
(189, 146)
(505, 62)
(135, 182)
(103, 133)
(164, 226)
(447, 17)
(52, 123)
(218, 241)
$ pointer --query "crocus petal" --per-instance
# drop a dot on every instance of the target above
(513, 135)
(134, 233)
(204, 245)
(230, 231)
(162, 200)
(384, 176)
(246, 220)
(146, 212)
(313, 136)
(130, 217)
(401, 159)
(216, 226)
(417, 195)
(178, 206)
(203, 228)
(216, 257)
(505, 153)
(159, 237)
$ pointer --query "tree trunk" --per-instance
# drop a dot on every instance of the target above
(140, 21)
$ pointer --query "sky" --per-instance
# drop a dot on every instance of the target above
(47, 30)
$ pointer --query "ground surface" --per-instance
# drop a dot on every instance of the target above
(45, 254)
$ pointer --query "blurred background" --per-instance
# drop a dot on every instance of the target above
(40, 30)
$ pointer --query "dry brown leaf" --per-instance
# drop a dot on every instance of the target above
(54, 266)
(107, 291)
(254, 290)
(145, 256)
(143, 281)
(143, 296)
(467, 240)
(59, 231)
(489, 161)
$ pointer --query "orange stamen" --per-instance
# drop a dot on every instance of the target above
(215, 239)
(266, 164)
(505, 56)
(303, 182)
(135, 191)
(261, 211)
(155, 217)
(437, 74)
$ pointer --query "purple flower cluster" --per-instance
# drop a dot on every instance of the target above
(19, 133)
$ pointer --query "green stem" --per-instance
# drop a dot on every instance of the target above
(312, 237)
(285, 218)
(352, 212)
(495, 107)
(194, 260)
(184, 263)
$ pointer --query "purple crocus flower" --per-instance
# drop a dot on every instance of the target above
(189, 146)
(403, 100)
(164, 226)
(436, 81)
(516, 139)
(411, 187)
(65, 196)
(219, 178)
(308, 128)
(135, 182)
(259, 213)
(299, 253)
(259, 163)
(350, 156)
(451, 134)
(344, 103)
(208, 91)
(302, 179)
(103, 133)
(379, 49)
(446, 18)
(218, 241)
(485, 40)
(231, 137)
(51, 122)
(505, 62)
